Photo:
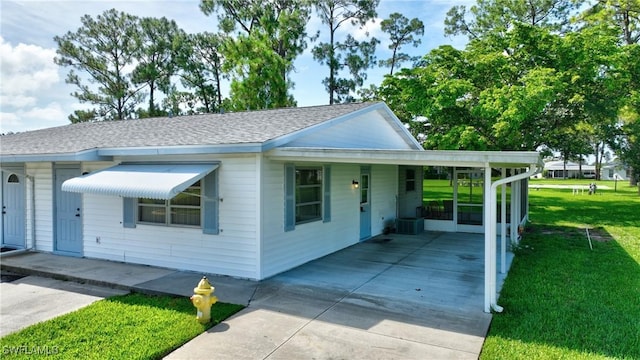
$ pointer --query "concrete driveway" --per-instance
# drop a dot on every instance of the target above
(33, 299)
(395, 297)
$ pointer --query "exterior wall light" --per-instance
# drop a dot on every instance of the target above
(355, 184)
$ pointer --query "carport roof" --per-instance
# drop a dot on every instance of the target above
(459, 158)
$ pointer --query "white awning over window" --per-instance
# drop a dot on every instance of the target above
(150, 181)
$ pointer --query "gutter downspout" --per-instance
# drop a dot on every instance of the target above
(503, 224)
(33, 211)
(490, 297)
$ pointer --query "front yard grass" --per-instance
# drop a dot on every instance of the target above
(563, 300)
(132, 326)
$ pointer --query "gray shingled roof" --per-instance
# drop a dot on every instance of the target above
(208, 129)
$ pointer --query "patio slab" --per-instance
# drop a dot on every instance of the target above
(398, 296)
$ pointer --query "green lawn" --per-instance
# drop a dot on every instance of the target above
(563, 300)
(132, 326)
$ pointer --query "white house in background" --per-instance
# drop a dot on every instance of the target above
(248, 194)
(557, 169)
(614, 170)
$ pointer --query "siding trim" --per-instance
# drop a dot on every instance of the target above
(289, 197)
(326, 201)
(210, 223)
(129, 206)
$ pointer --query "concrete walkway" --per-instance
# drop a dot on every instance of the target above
(408, 297)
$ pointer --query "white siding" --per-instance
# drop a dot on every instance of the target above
(284, 250)
(42, 174)
(239, 250)
(367, 131)
(233, 252)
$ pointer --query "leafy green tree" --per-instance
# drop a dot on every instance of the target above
(627, 144)
(499, 16)
(598, 83)
(156, 58)
(260, 84)
(486, 98)
(401, 32)
(272, 33)
(625, 16)
(102, 49)
(404, 94)
(200, 63)
(350, 54)
(629, 150)
(79, 116)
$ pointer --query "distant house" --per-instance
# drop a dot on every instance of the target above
(614, 170)
(557, 169)
(248, 194)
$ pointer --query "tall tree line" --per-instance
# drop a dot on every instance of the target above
(118, 61)
(535, 75)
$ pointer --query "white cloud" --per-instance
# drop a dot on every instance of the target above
(35, 118)
(365, 32)
(9, 122)
(27, 70)
(18, 101)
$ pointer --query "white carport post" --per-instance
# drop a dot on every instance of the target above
(489, 244)
(503, 223)
(515, 187)
(514, 225)
(490, 292)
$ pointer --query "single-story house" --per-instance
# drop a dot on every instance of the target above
(614, 170)
(245, 194)
(557, 169)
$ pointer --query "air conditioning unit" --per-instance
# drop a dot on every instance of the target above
(410, 226)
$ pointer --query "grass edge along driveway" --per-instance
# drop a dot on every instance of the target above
(563, 300)
(132, 326)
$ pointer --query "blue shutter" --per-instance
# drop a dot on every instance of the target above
(326, 183)
(129, 212)
(210, 206)
(289, 197)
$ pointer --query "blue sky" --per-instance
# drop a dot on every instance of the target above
(33, 93)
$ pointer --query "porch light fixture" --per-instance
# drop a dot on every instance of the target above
(355, 184)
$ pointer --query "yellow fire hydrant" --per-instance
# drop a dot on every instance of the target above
(203, 300)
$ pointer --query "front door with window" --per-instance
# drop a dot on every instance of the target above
(68, 215)
(13, 211)
(365, 203)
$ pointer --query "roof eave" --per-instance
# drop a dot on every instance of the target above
(514, 159)
(182, 150)
(107, 154)
(85, 155)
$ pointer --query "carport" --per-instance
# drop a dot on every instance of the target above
(514, 169)
(391, 297)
